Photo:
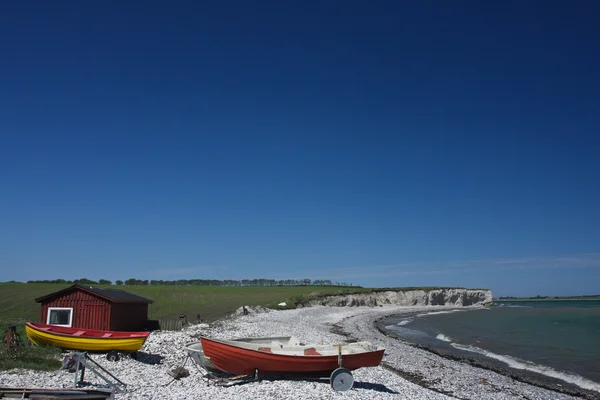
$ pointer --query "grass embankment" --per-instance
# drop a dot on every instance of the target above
(426, 289)
(17, 300)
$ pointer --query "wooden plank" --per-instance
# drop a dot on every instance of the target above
(54, 394)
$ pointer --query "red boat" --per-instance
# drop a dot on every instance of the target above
(282, 358)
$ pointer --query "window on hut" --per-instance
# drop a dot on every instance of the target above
(60, 316)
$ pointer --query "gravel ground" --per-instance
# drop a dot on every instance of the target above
(406, 372)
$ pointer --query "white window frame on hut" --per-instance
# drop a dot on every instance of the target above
(50, 309)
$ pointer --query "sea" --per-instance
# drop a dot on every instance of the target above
(555, 340)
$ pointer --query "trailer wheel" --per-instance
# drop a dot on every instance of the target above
(341, 380)
(113, 356)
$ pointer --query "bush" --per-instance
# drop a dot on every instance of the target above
(300, 300)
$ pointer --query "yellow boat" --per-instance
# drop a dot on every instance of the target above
(84, 339)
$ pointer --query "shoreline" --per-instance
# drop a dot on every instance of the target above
(524, 376)
(419, 376)
(406, 372)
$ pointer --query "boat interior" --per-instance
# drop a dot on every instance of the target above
(292, 346)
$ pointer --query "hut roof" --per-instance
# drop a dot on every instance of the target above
(112, 295)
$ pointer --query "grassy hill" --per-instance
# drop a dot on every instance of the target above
(17, 300)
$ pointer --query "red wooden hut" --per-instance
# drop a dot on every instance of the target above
(87, 307)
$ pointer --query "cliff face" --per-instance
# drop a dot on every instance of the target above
(438, 297)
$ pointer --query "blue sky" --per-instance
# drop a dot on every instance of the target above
(386, 144)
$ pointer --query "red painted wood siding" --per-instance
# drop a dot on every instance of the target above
(89, 312)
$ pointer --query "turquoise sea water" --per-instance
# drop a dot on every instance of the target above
(558, 339)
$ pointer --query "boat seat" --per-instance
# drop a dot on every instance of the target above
(293, 341)
(265, 349)
(311, 351)
(78, 333)
(107, 335)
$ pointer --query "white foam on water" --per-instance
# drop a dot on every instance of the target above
(510, 306)
(443, 338)
(530, 366)
(407, 321)
(407, 332)
(440, 312)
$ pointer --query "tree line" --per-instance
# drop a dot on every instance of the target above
(199, 282)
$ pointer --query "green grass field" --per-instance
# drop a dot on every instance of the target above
(17, 300)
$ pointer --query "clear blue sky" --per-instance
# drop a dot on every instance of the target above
(385, 143)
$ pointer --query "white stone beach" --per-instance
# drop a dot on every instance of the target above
(434, 377)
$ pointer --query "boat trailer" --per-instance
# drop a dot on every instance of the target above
(83, 362)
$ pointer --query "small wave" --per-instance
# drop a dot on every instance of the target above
(407, 321)
(530, 366)
(440, 312)
(407, 333)
(510, 306)
(443, 338)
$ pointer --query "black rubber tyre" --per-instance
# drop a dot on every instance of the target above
(113, 356)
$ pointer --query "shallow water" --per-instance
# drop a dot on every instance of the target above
(553, 338)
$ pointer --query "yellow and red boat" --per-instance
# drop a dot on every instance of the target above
(84, 339)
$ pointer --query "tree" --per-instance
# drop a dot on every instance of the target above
(119, 282)
(104, 282)
(85, 281)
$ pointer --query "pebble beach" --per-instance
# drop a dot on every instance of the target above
(406, 372)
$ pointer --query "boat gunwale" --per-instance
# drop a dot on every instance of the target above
(295, 357)
(115, 335)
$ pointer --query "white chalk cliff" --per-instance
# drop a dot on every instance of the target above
(436, 297)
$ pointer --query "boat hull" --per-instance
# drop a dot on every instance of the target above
(237, 360)
(41, 335)
(196, 352)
